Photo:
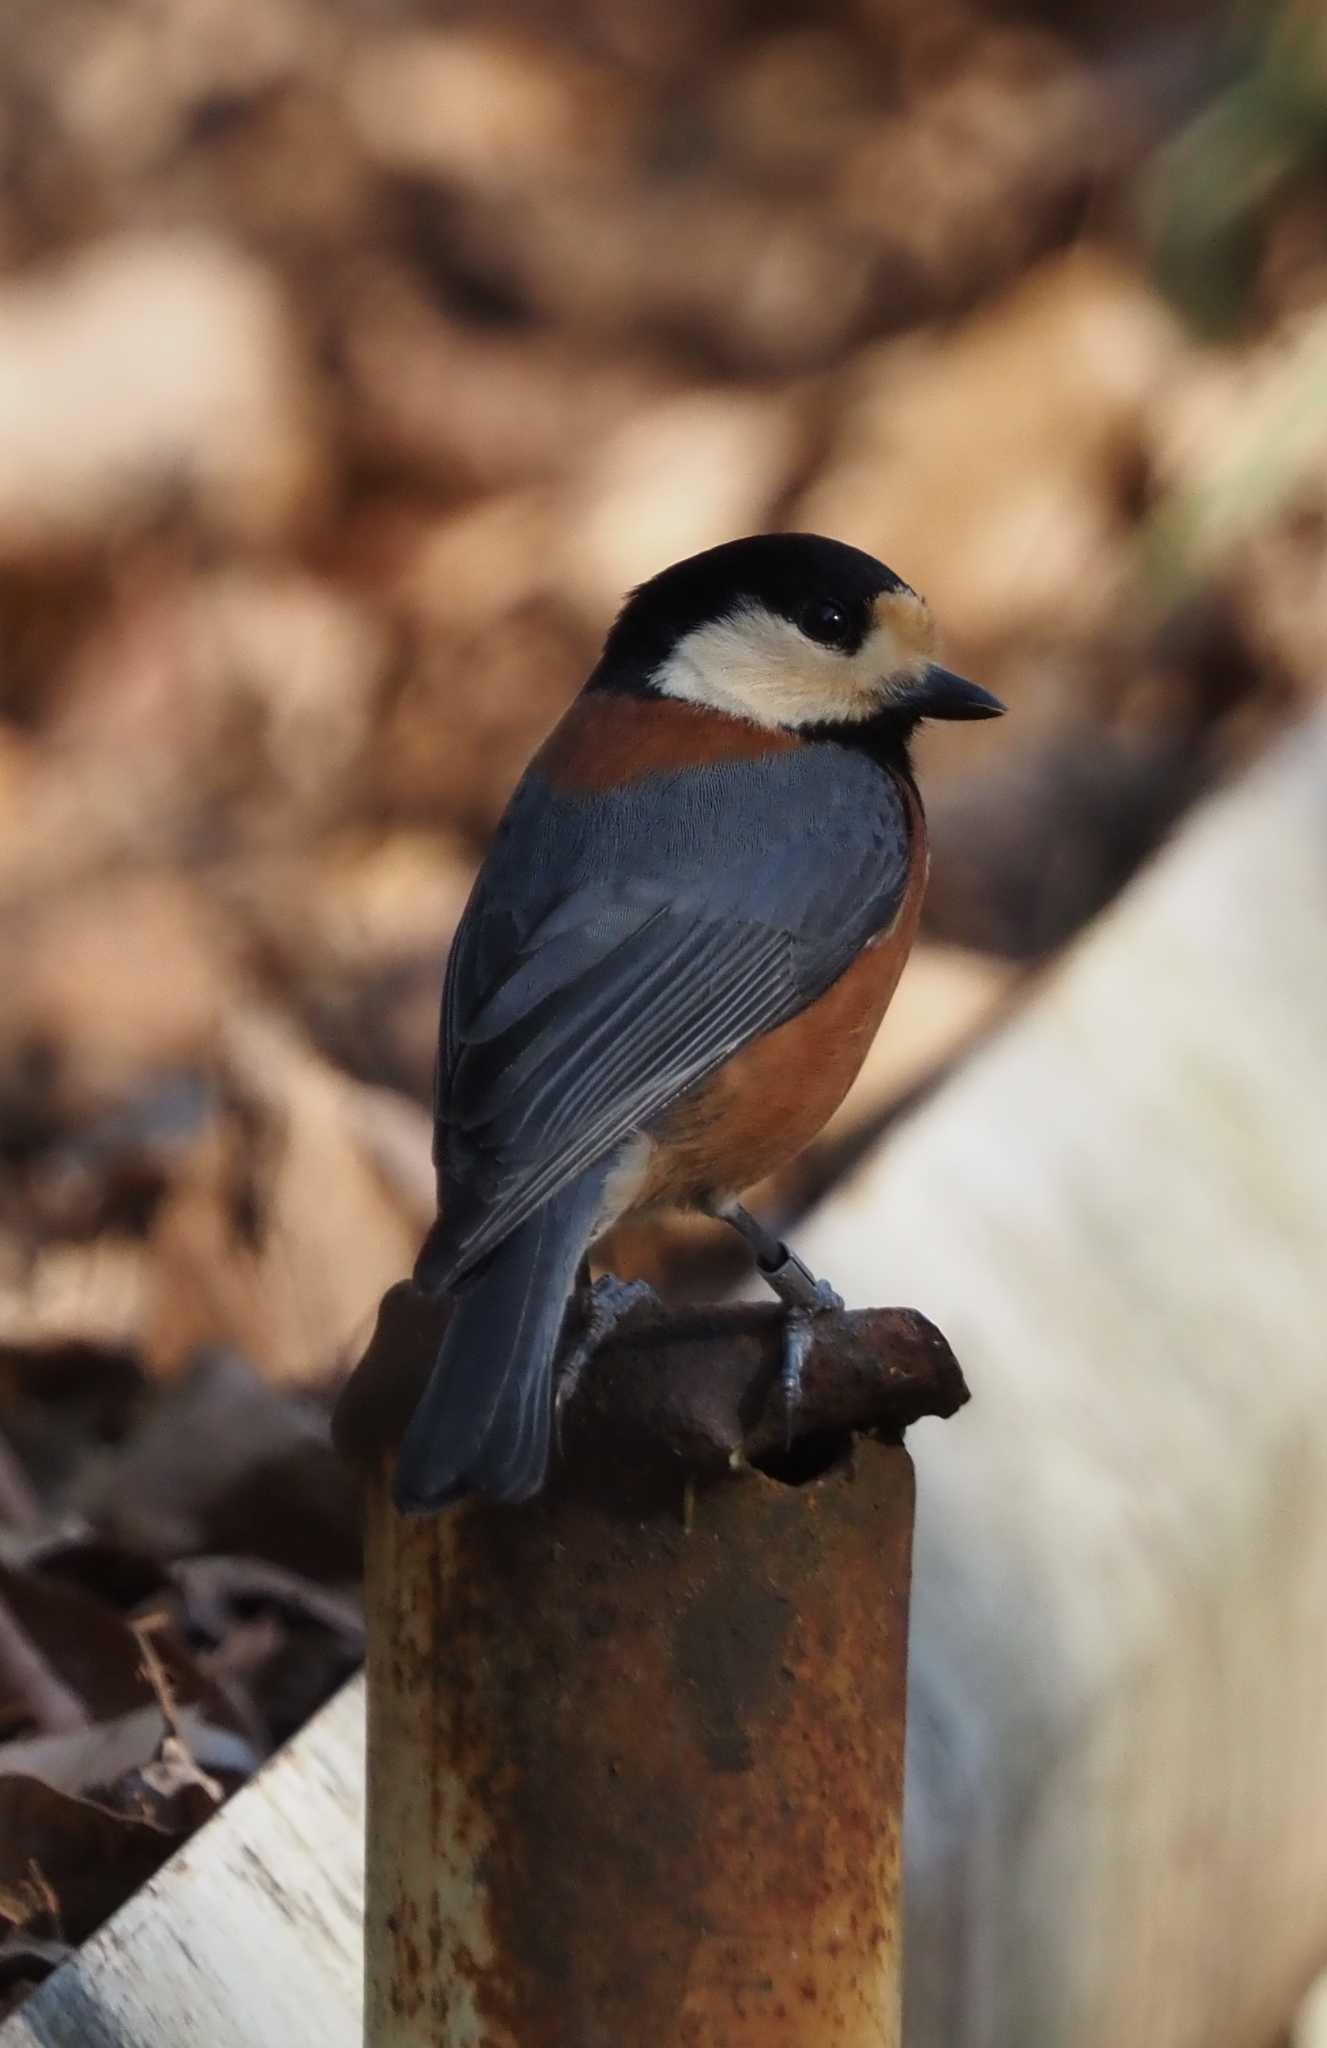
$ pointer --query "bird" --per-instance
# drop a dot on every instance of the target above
(688, 926)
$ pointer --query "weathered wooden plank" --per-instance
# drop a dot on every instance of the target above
(1310, 2028)
(251, 1936)
(1118, 1711)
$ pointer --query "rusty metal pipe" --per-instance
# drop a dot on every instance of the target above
(636, 1749)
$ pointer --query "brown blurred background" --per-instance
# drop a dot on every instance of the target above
(354, 359)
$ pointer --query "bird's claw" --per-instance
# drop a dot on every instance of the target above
(611, 1301)
(798, 1337)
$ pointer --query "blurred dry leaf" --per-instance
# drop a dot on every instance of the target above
(107, 1751)
(219, 1461)
(283, 1235)
(287, 1643)
(66, 1863)
(294, 670)
(791, 104)
(681, 476)
(1239, 446)
(94, 1295)
(149, 374)
(95, 1651)
(254, 691)
(129, 83)
(217, 1589)
(397, 1135)
(466, 571)
(354, 909)
(32, 1692)
(483, 107)
(146, 1716)
(1284, 582)
(974, 175)
(471, 712)
(354, 936)
(760, 283)
(77, 1036)
(475, 408)
(992, 463)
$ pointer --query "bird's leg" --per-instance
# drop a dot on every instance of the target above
(610, 1301)
(803, 1296)
(790, 1277)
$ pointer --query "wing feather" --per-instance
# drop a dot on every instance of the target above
(619, 948)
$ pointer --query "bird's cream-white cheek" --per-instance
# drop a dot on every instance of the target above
(758, 666)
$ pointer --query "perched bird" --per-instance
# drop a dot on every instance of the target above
(693, 915)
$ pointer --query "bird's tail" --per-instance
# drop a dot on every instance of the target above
(484, 1421)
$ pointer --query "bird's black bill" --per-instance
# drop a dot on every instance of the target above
(942, 694)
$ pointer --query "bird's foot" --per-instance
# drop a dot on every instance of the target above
(797, 1287)
(798, 1337)
(610, 1302)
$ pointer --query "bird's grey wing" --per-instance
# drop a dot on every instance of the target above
(619, 947)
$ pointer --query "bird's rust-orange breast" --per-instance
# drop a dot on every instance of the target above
(774, 1096)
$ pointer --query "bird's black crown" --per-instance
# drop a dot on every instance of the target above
(823, 586)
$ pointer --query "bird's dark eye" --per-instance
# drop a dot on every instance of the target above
(829, 623)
